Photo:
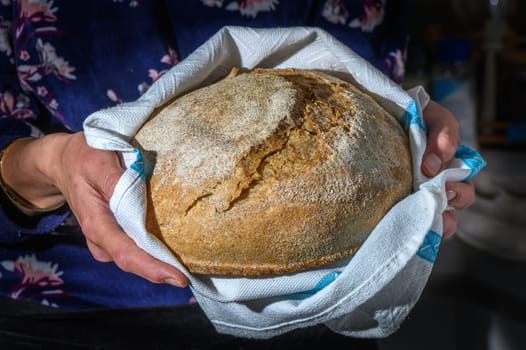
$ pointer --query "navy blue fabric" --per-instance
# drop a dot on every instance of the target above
(62, 60)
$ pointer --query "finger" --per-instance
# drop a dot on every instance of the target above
(442, 139)
(449, 222)
(133, 259)
(98, 253)
(460, 194)
(127, 255)
(89, 187)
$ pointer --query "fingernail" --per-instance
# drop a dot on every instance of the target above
(451, 195)
(432, 164)
(175, 282)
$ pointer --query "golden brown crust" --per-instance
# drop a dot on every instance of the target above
(271, 172)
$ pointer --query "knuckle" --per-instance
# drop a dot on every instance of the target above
(109, 183)
(470, 197)
(123, 261)
(98, 253)
(449, 144)
(126, 263)
(466, 195)
(88, 228)
(100, 257)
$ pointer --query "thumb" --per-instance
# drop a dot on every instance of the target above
(443, 139)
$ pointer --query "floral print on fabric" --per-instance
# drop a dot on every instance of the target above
(395, 65)
(36, 18)
(38, 280)
(15, 106)
(372, 15)
(11, 104)
(61, 60)
(335, 12)
(131, 3)
(171, 59)
(248, 8)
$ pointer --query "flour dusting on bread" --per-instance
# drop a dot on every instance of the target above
(272, 171)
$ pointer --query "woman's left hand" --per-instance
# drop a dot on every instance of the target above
(442, 141)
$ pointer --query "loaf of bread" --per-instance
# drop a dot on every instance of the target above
(271, 171)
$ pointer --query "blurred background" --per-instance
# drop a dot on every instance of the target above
(471, 57)
(479, 40)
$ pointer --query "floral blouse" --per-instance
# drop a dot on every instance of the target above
(62, 60)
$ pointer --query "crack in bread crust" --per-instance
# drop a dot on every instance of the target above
(272, 171)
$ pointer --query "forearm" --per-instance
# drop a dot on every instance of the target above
(16, 224)
(26, 170)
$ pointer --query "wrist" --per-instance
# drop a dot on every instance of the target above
(25, 178)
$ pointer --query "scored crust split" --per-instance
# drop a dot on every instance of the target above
(271, 171)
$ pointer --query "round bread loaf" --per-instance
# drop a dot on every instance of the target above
(271, 171)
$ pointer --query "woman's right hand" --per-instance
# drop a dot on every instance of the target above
(63, 167)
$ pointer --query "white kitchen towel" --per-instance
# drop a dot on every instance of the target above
(368, 295)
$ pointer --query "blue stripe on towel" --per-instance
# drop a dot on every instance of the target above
(138, 165)
(429, 248)
(471, 158)
(322, 283)
(411, 116)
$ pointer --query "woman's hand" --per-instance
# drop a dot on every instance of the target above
(63, 167)
(443, 139)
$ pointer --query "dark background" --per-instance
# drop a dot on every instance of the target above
(476, 296)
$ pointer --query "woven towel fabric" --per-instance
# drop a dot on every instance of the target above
(368, 295)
